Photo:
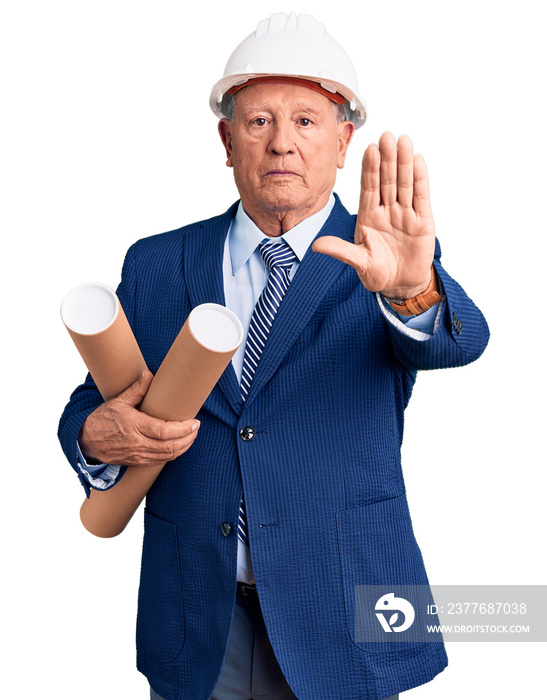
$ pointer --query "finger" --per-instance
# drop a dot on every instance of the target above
(157, 429)
(370, 179)
(388, 169)
(421, 201)
(405, 172)
(167, 450)
(346, 252)
(134, 394)
(150, 452)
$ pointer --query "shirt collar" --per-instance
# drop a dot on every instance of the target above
(245, 235)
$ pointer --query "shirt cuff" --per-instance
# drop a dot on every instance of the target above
(420, 327)
(100, 476)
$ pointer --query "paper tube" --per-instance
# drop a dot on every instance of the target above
(199, 355)
(99, 328)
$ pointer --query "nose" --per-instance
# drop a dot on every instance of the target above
(282, 138)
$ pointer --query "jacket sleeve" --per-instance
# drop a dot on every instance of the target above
(460, 338)
(86, 397)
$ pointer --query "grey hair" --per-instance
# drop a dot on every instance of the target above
(342, 113)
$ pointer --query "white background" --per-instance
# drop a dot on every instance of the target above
(107, 137)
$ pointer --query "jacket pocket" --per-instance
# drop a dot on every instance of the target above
(160, 620)
(378, 552)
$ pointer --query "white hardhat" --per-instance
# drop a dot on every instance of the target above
(296, 47)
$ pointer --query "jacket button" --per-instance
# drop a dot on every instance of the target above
(226, 529)
(247, 433)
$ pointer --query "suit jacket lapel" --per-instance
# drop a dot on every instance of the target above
(203, 264)
(316, 274)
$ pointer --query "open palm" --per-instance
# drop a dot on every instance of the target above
(395, 232)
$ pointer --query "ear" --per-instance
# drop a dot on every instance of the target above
(345, 134)
(225, 131)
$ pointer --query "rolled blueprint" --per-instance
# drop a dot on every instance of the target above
(99, 328)
(199, 355)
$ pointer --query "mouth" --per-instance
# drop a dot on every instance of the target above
(281, 173)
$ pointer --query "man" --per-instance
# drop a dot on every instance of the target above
(291, 492)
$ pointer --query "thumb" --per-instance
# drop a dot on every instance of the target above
(135, 393)
(342, 250)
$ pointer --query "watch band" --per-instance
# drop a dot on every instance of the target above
(421, 302)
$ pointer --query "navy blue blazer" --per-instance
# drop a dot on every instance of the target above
(324, 490)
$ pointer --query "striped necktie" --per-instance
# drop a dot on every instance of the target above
(279, 257)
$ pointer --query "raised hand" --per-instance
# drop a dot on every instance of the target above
(395, 232)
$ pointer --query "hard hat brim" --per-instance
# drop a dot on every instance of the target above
(217, 100)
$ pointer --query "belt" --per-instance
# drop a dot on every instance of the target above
(247, 591)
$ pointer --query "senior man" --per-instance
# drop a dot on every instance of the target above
(291, 493)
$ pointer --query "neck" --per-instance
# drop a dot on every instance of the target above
(274, 223)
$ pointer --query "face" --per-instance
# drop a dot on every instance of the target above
(284, 145)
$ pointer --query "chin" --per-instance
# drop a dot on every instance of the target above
(283, 201)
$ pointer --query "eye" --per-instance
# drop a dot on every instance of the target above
(259, 121)
(304, 121)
